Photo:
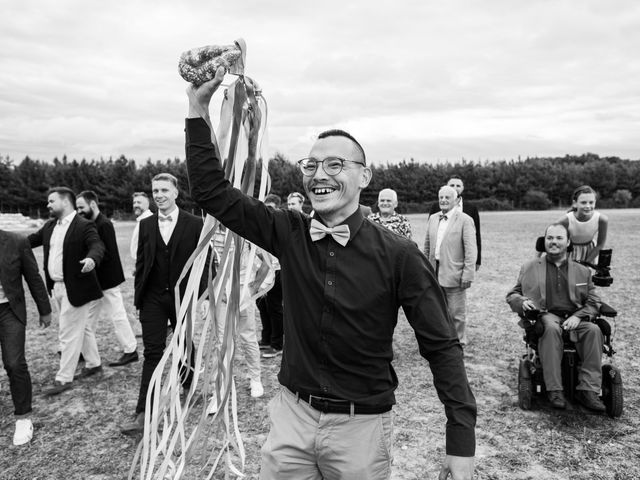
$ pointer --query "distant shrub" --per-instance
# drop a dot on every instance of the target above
(622, 198)
(536, 200)
(492, 204)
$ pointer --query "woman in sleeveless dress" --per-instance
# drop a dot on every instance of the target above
(587, 228)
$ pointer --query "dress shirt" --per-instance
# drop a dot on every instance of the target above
(557, 288)
(442, 227)
(3, 297)
(56, 244)
(341, 303)
(133, 247)
(167, 226)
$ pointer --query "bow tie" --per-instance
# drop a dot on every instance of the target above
(340, 233)
(443, 216)
(164, 219)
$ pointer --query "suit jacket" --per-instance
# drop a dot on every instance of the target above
(472, 211)
(532, 285)
(457, 250)
(184, 241)
(110, 273)
(81, 241)
(17, 261)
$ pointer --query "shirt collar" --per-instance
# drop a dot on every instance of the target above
(449, 214)
(143, 215)
(67, 219)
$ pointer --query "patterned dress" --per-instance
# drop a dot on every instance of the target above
(395, 222)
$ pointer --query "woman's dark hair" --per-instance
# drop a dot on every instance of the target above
(579, 191)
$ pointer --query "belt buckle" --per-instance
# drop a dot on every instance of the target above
(323, 403)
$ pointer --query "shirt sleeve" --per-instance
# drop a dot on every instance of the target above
(245, 215)
(424, 305)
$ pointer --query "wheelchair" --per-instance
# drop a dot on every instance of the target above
(530, 377)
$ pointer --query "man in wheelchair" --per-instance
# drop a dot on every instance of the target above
(563, 292)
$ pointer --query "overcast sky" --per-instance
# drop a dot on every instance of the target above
(446, 80)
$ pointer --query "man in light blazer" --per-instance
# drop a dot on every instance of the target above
(458, 185)
(564, 293)
(166, 241)
(17, 262)
(450, 246)
(72, 250)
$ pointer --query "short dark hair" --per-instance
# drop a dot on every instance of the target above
(336, 132)
(272, 198)
(65, 192)
(167, 177)
(558, 224)
(89, 196)
(455, 177)
(139, 194)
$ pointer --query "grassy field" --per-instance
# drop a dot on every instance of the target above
(77, 435)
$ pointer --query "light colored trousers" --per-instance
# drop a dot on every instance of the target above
(306, 444)
(111, 305)
(247, 339)
(457, 302)
(75, 334)
(588, 345)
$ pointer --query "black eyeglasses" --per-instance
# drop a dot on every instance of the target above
(331, 165)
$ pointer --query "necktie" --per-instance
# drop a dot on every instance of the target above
(339, 233)
(443, 216)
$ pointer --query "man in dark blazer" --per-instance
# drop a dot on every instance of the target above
(110, 276)
(456, 183)
(17, 261)
(72, 251)
(166, 241)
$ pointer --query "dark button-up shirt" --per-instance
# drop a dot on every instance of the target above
(341, 303)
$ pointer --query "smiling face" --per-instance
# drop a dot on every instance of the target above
(387, 202)
(164, 194)
(585, 205)
(84, 208)
(556, 241)
(335, 197)
(447, 199)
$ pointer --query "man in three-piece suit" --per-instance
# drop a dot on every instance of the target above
(166, 241)
(17, 261)
(456, 183)
(72, 251)
(451, 248)
(110, 276)
(564, 293)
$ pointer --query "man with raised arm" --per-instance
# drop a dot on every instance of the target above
(343, 281)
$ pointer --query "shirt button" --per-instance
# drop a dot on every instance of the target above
(331, 254)
(329, 282)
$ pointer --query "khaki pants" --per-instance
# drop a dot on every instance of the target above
(457, 303)
(111, 305)
(76, 334)
(306, 444)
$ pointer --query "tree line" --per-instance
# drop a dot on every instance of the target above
(532, 183)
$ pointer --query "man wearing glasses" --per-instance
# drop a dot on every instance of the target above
(343, 281)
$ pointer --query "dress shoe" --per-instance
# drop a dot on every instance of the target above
(271, 352)
(87, 372)
(24, 431)
(263, 345)
(135, 427)
(58, 387)
(125, 359)
(556, 398)
(590, 400)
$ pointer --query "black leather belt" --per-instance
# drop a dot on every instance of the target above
(334, 405)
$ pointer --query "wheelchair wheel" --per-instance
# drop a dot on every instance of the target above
(612, 390)
(525, 384)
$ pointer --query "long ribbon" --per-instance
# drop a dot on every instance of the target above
(175, 431)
